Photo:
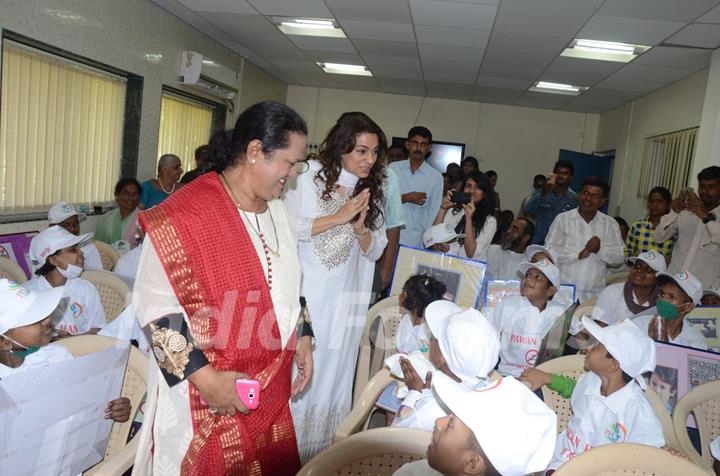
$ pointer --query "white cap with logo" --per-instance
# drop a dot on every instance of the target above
(22, 307)
(630, 346)
(467, 340)
(532, 250)
(712, 290)
(441, 233)
(651, 258)
(687, 282)
(61, 211)
(514, 428)
(551, 272)
(51, 240)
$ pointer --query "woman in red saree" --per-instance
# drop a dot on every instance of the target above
(217, 292)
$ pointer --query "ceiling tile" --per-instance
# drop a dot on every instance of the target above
(386, 48)
(224, 6)
(292, 65)
(675, 57)
(713, 16)
(378, 30)
(697, 34)
(625, 84)
(394, 66)
(450, 77)
(394, 11)
(273, 47)
(583, 108)
(565, 5)
(335, 57)
(548, 100)
(451, 53)
(610, 94)
(402, 86)
(673, 10)
(629, 30)
(303, 8)
(360, 83)
(442, 35)
(540, 22)
(580, 72)
(318, 43)
(449, 90)
(452, 14)
(644, 72)
(500, 40)
(599, 102)
(458, 66)
(241, 25)
(502, 83)
(497, 95)
(514, 64)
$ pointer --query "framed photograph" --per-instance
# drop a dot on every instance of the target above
(463, 277)
(16, 247)
(706, 320)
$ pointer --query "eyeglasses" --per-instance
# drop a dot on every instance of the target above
(300, 167)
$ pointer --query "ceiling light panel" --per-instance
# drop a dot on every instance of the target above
(323, 27)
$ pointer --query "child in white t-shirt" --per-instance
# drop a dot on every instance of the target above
(412, 333)
(607, 402)
(523, 321)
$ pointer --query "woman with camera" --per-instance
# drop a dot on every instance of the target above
(470, 213)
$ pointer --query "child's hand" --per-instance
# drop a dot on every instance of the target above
(118, 410)
(536, 378)
(412, 379)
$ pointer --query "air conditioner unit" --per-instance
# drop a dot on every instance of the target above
(207, 75)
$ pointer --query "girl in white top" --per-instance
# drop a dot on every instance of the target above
(476, 222)
(412, 332)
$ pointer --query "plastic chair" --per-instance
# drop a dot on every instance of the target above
(378, 452)
(630, 459)
(114, 293)
(664, 416)
(371, 357)
(584, 309)
(704, 402)
(568, 366)
(619, 277)
(12, 271)
(120, 454)
(108, 255)
(359, 417)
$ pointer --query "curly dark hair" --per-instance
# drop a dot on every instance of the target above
(484, 208)
(269, 122)
(421, 290)
(341, 140)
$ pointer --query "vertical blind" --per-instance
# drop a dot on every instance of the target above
(667, 159)
(184, 126)
(61, 127)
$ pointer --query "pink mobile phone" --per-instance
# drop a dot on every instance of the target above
(249, 392)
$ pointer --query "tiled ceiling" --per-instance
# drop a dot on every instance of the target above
(478, 50)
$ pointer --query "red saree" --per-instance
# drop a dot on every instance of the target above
(216, 274)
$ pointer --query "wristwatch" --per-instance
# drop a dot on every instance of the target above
(709, 218)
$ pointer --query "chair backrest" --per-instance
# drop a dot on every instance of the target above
(134, 384)
(704, 402)
(377, 452)
(584, 309)
(364, 405)
(371, 354)
(630, 459)
(664, 416)
(12, 271)
(569, 366)
(114, 293)
(108, 255)
(619, 277)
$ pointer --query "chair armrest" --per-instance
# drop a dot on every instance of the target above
(118, 463)
(355, 421)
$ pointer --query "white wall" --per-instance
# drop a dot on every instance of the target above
(517, 142)
(625, 129)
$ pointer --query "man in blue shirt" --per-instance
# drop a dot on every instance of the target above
(554, 198)
(421, 187)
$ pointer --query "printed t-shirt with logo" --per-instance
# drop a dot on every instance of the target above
(84, 310)
(625, 416)
(522, 328)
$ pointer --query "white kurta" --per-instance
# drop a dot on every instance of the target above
(337, 281)
(611, 306)
(167, 428)
(502, 264)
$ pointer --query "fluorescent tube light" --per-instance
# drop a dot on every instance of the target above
(603, 50)
(557, 88)
(308, 27)
(605, 47)
(338, 68)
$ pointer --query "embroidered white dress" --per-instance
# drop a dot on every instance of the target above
(337, 281)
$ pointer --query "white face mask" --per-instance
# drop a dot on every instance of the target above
(71, 272)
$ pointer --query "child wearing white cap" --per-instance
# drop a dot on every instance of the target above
(59, 260)
(637, 294)
(25, 333)
(463, 346)
(495, 429)
(679, 294)
(522, 321)
(711, 297)
(443, 238)
(607, 402)
(412, 333)
(66, 216)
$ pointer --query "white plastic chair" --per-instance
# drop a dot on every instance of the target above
(12, 271)
(108, 255)
(114, 292)
(619, 277)
(704, 402)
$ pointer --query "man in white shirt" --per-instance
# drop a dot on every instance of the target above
(504, 258)
(586, 241)
(421, 187)
(678, 296)
(66, 216)
(695, 221)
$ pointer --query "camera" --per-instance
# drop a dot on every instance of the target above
(460, 198)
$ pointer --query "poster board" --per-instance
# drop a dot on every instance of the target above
(16, 247)
(463, 277)
(553, 344)
(706, 320)
(52, 417)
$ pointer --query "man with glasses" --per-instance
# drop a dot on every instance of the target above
(421, 187)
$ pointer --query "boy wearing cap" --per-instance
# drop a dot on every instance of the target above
(608, 405)
(637, 294)
(463, 346)
(711, 296)
(678, 295)
(442, 238)
(499, 428)
(26, 330)
(59, 260)
(66, 216)
(522, 321)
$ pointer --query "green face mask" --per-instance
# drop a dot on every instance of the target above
(26, 351)
(667, 310)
